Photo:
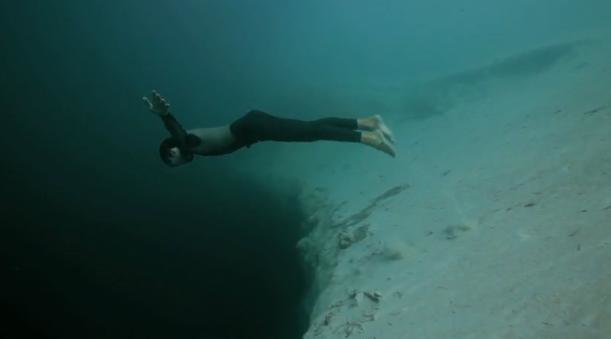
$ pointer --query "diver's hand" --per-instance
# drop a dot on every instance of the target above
(158, 104)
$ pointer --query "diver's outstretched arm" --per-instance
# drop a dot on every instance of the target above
(160, 106)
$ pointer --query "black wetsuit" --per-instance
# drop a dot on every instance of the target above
(258, 126)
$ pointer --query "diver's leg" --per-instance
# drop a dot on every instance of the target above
(371, 123)
(351, 124)
(374, 122)
(259, 126)
(376, 133)
(375, 138)
(368, 123)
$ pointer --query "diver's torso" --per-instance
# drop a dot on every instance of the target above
(214, 141)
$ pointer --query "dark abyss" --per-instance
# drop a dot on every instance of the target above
(98, 239)
(129, 266)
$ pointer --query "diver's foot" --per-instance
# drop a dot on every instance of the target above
(377, 140)
(380, 125)
(376, 122)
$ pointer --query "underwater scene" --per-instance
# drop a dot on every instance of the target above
(266, 169)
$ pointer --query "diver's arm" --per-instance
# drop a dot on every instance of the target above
(161, 107)
(174, 127)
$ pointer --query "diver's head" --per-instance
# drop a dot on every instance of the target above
(172, 155)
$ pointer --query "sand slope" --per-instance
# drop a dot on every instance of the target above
(493, 222)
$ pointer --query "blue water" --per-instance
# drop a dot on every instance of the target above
(101, 240)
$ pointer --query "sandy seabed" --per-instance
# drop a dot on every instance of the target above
(494, 220)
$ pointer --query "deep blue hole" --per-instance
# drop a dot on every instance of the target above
(212, 260)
